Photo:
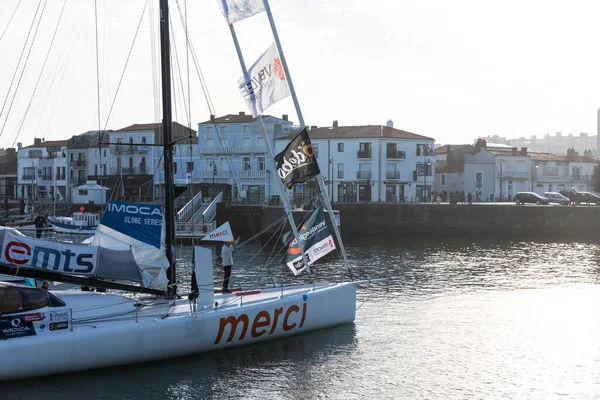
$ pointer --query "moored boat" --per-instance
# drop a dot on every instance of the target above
(80, 223)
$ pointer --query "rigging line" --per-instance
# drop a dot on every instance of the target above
(43, 66)
(154, 58)
(24, 67)
(100, 133)
(198, 69)
(176, 68)
(10, 20)
(187, 57)
(21, 57)
(125, 67)
(55, 71)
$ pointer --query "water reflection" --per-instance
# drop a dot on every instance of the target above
(458, 319)
(238, 372)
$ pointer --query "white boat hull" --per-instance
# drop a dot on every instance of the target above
(237, 320)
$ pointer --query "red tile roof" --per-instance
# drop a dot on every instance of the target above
(357, 132)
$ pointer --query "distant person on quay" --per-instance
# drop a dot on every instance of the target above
(470, 198)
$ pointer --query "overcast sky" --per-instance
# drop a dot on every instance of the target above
(451, 70)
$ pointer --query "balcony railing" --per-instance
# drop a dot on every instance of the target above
(129, 170)
(551, 178)
(252, 174)
(363, 175)
(77, 163)
(397, 155)
(392, 175)
(581, 178)
(28, 177)
(129, 148)
(514, 175)
(233, 150)
(363, 153)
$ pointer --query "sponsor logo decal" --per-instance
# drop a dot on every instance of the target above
(55, 326)
(265, 322)
(32, 317)
(13, 327)
(59, 316)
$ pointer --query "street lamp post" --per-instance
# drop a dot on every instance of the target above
(500, 180)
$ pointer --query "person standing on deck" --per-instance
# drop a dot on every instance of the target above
(39, 222)
(227, 260)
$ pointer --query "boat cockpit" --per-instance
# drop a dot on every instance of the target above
(17, 298)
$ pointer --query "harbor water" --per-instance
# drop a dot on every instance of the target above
(458, 319)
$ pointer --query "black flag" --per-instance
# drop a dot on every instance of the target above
(297, 163)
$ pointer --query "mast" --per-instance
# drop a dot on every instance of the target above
(322, 188)
(167, 125)
(272, 166)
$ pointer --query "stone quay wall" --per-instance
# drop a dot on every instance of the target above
(475, 220)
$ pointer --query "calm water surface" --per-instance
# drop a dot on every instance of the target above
(457, 320)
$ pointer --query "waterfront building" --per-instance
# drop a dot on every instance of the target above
(233, 155)
(496, 171)
(371, 163)
(555, 144)
(8, 174)
(40, 168)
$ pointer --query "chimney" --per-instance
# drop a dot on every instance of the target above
(335, 124)
(284, 117)
(313, 127)
(212, 118)
(11, 151)
(37, 141)
(514, 151)
(523, 151)
(242, 113)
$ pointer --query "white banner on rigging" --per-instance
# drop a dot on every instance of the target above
(266, 83)
(237, 10)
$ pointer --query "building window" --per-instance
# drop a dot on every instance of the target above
(83, 192)
(96, 169)
(209, 130)
(245, 128)
(35, 154)
(189, 166)
(246, 163)
(340, 170)
(143, 139)
(443, 178)
(316, 149)
(174, 168)
(261, 164)
(340, 147)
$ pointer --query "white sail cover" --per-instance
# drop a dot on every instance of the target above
(139, 228)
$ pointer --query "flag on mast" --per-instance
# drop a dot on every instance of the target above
(237, 10)
(265, 84)
(314, 237)
(297, 162)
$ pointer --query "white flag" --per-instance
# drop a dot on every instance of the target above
(237, 10)
(266, 83)
(58, 194)
(221, 234)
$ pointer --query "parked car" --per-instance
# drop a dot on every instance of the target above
(556, 197)
(584, 197)
(530, 197)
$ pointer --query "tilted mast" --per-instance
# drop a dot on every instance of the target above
(167, 126)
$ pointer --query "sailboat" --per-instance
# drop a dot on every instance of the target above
(51, 332)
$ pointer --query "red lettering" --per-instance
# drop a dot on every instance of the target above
(303, 315)
(233, 322)
(276, 315)
(16, 249)
(259, 324)
(287, 327)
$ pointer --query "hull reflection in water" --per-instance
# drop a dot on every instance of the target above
(208, 374)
